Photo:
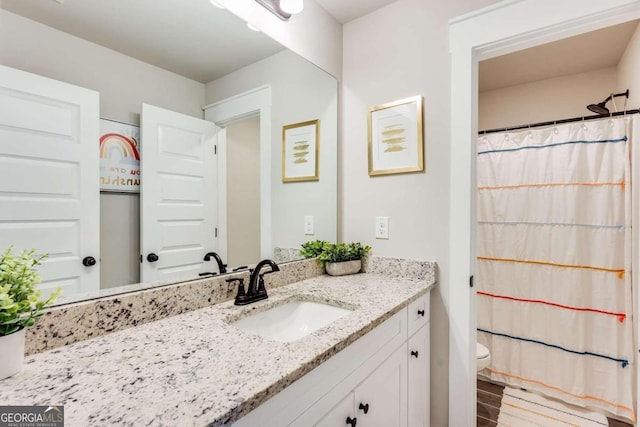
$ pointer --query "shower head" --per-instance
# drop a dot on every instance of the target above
(601, 108)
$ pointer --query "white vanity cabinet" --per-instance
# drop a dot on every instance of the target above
(379, 400)
(385, 373)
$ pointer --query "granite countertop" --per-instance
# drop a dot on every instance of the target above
(195, 368)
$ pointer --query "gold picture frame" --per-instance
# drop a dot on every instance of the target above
(395, 137)
(301, 151)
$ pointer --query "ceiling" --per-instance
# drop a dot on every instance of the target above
(159, 32)
(347, 10)
(191, 38)
(583, 53)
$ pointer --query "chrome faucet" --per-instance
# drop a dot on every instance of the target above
(222, 268)
(256, 290)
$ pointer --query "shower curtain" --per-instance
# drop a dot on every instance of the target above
(554, 262)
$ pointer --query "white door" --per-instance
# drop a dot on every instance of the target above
(49, 177)
(178, 195)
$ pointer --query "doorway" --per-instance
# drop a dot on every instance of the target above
(243, 185)
(495, 31)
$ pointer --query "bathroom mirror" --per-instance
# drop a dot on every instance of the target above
(182, 56)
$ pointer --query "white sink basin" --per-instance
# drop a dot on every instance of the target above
(291, 321)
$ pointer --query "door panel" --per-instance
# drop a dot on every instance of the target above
(419, 378)
(338, 415)
(385, 391)
(49, 183)
(178, 194)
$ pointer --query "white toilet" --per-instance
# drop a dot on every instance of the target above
(483, 356)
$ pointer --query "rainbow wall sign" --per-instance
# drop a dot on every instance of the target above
(119, 156)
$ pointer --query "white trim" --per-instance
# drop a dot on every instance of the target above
(490, 32)
(239, 97)
(246, 104)
(482, 11)
(221, 144)
(635, 237)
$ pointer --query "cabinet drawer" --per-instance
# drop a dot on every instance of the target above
(418, 313)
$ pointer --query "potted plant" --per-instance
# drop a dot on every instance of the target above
(20, 306)
(313, 248)
(343, 258)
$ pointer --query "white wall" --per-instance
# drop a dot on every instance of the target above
(119, 239)
(314, 34)
(124, 84)
(243, 201)
(300, 92)
(393, 53)
(629, 72)
(545, 100)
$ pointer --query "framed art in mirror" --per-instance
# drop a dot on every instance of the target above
(119, 156)
(300, 151)
(395, 137)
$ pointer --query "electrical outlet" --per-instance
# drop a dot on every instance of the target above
(308, 225)
(382, 227)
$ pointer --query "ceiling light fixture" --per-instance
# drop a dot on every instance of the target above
(252, 27)
(292, 6)
(283, 9)
(216, 4)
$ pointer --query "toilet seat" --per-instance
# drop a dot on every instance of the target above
(483, 357)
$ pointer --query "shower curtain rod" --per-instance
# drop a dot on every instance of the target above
(557, 122)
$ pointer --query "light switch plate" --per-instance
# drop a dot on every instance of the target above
(382, 227)
(308, 225)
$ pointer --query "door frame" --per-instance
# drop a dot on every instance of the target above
(253, 102)
(496, 30)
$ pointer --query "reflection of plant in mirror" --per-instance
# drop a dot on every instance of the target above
(312, 248)
(340, 252)
(20, 302)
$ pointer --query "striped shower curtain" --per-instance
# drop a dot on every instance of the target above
(554, 262)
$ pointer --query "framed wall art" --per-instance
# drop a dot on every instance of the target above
(300, 151)
(395, 137)
(119, 157)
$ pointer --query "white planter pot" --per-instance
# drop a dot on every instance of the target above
(343, 268)
(11, 354)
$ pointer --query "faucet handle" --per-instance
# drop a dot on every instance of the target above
(208, 273)
(240, 281)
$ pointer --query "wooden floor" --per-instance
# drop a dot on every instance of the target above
(490, 399)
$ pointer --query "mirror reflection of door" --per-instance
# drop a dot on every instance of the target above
(49, 177)
(179, 210)
(243, 190)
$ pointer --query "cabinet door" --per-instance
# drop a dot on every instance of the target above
(385, 393)
(418, 371)
(338, 415)
(335, 416)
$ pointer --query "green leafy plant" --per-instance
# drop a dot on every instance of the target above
(339, 252)
(20, 302)
(313, 248)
